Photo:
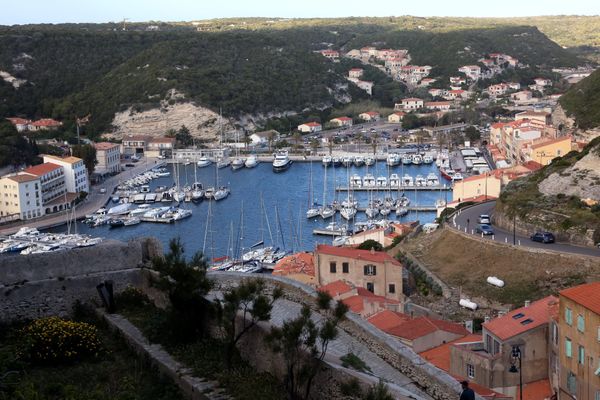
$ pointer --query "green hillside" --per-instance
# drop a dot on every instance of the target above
(582, 102)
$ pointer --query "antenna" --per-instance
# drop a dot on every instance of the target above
(125, 23)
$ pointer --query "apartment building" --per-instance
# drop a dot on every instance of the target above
(108, 157)
(21, 196)
(52, 181)
(76, 174)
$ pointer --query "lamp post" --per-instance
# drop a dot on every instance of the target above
(516, 355)
(515, 229)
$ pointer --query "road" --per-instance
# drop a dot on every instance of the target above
(93, 202)
(471, 214)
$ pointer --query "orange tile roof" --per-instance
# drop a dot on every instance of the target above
(22, 178)
(423, 326)
(336, 288)
(538, 313)
(46, 122)
(343, 118)
(588, 295)
(312, 124)
(105, 145)
(538, 390)
(18, 121)
(440, 356)
(550, 141)
(412, 99)
(68, 160)
(387, 319)
(367, 255)
(41, 169)
(299, 263)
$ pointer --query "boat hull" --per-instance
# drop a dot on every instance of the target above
(282, 167)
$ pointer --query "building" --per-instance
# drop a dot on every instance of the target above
(396, 117)
(522, 96)
(160, 146)
(498, 89)
(384, 236)
(456, 94)
(333, 55)
(487, 363)
(542, 82)
(369, 116)
(359, 300)
(375, 271)
(52, 181)
(21, 196)
(299, 267)
(487, 185)
(108, 158)
(355, 73)
(434, 131)
(409, 104)
(438, 105)
(21, 124)
(263, 138)
(457, 80)
(541, 116)
(76, 174)
(436, 92)
(45, 124)
(545, 149)
(472, 72)
(341, 121)
(579, 342)
(135, 144)
(310, 127)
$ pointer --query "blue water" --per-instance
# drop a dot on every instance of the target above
(285, 197)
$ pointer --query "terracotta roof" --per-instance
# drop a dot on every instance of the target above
(367, 255)
(312, 124)
(105, 145)
(457, 91)
(422, 326)
(42, 169)
(522, 319)
(538, 390)
(22, 178)
(371, 113)
(588, 295)
(136, 138)
(68, 160)
(356, 69)
(299, 263)
(550, 141)
(387, 319)
(18, 121)
(336, 288)
(532, 165)
(412, 99)
(440, 356)
(46, 122)
(399, 113)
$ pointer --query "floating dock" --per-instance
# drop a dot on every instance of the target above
(327, 232)
(403, 188)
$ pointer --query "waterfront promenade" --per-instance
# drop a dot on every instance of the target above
(93, 202)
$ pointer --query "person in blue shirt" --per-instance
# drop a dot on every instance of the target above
(467, 393)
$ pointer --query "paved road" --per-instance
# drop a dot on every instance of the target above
(500, 235)
(93, 202)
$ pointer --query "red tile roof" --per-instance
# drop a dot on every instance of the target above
(423, 326)
(336, 288)
(312, 124)
(539, 313)
(538, 390)
(105, 145)
(22, 178)
(387, 319)
(41, 169)
(46, 122)
(162, 140)
(588, 295)
(412, 99)
(18, 121)
(372, 113)
(299, 263)
(367, 255)
(343, 118)
(440, 356)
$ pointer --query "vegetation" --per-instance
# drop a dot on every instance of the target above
(353, 361)
(371, 245)
(582, 102)
(87, 153)
(15, 150)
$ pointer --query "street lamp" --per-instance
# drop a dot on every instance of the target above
(516, 355)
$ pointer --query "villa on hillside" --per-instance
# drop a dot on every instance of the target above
(310, 127)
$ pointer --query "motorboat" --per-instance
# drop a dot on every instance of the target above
(381, 181)
(121, 209)
(407, 180)
(393, 159)
(335, 228)
(339, 241)
(420, 181)
(359, 161)
(336, 161)
(116, 223)
(327, 160)
(203, 162)
(394, 180)
(347, 161)
(131, 221)
(223, 163)
(427, 159)
(348, 212)
(407, 159)
(221, 193)
(432, 179)
(181, 213)
(281, 162)
(238, 163)
(327, 212)
(417, 159)
(447, 173)
(457, 177)
(369, 180)
(356, 181)
(369, 161)
(313, 212)
(209, 193)
(251, 161)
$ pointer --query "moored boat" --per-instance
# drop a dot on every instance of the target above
(281, 162)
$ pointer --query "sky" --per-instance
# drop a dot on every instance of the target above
(58, 11)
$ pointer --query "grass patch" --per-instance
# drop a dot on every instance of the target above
(353, 361)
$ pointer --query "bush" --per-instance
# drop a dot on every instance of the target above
(55, 340)
(353, 361)
(370, 244)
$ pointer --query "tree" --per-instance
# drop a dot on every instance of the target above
(303, 344)
(247, 140)
(271, 138)
(410, 121)
(472, 134)
(314, 145)
(370, 244)
(297, 136)
(183, 137)
(87, 153)
(374, 140)
(250, 299)
(186, 284)
(330, 145)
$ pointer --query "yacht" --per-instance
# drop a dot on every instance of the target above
(223, 163)
(385, 211)
(406, 159)
(348, 212)
(402, 201)
(336, 161)
(221, 193)
(407, 180)
(359, 161)
(417, 159)
(327, 160)
(181, 213)
(394, 180)
(381, 181)
(327, 212)
(355, 181)
(369, 161)
(237, 163)
(313, 212)
(336, 228)
(203, 162)
(401, 212)
(393, 160)
(251, 161)
(281, 162)
(131, 221)
(371, 211)
(347, 161)
(420, 181)
(350, 202)
(427, 159)
(457, 177)
(369, 180)
(432, 179)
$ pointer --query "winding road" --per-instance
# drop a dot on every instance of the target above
(466, 221)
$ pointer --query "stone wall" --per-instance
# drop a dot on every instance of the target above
(40, 285)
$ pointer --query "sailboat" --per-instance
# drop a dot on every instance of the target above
(326, 211)
(251, 161)
(178, 194)
(348, 211)
(313, 211)
(197, 189)
(238, 162)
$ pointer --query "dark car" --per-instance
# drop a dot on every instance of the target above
(130, 165)
(484, 229)
(542, 237)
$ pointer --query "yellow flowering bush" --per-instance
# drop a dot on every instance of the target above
(56, 340)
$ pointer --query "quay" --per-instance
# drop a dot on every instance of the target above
(403, 188)
(327, 232)
(409, 208)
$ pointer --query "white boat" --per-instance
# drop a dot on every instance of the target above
(371, 212)
(355, 181)
(369, 161)
(347, 161)
(457, 177)
(221, 193)
(432, 179)
(381, 181)
(420, 181)
(350, 202)
(407, 180)
(251, 161)
(406, 159)
(327, 212)
(417, 159)
(369, 180)
(209, 193)
(336, 228)
(313, 212)
(340, 240)
(179, 196)
(394, 180)
(393, 159)
(401, 212)
(223, 163)
(131, 221)
(237, 163)
(385, 211)
(181, 213)
(327, 160)
(120, 209)
(203, 162)
(359, 161)
(427, 159)
(145, 189)
(348, 212)
(402, 201)
(281, 162)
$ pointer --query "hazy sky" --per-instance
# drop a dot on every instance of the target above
(56, 11)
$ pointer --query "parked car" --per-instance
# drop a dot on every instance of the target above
(102, 190)
(484, 229)
(542, 237)
(130, 165)
(484, 219)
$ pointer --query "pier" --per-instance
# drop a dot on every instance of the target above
(403, 188)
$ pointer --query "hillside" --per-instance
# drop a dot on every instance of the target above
(551, 198)
(582, 102)
(250, 74)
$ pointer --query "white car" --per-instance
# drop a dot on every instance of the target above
(484, 219)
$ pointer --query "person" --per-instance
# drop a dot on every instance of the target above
(467, 393)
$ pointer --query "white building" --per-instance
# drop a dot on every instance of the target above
(409, 104)
(108, 157)
(342, 121)
(76, 174)
(310, 127)
(21, 196)
(355, 73)
(52, 180)
(369, 116)
(472, 72)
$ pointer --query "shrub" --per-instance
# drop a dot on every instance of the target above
(370, 244)
(353, 361)
(131, 297)
(55, 340)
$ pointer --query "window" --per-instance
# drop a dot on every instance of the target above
(572, 383)
(555, 334)
(519, 315)
(370, 270)
(371, 287)
(470, 371)
(526, 321)
(392, 288)
(597, 395)
(568, 348)
(581, 355)
(580, 323)
(568, 316)
(345, 267)
(332, 267)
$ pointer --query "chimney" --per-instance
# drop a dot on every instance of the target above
(527, 303)
(486, 319)
(372, 250)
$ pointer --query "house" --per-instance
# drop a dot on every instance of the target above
(421, 333)
(541, 116)
(487, 363)
(45, 124)
(21, 124)
(108, 158)
(76, 173)
(436, 92)
(434, 131)
(135, 144)
(341, 121)
(514, 85)
(369, 116)
(263, 138)
(578, 340)
(487, 185)
(542, 82)
(457, 80)
(472, 72)
(376, 271)
(355, 73)
(522, 96)
(396, 117)
(299, 267)
(427, 81)
(310, 127)
(438, 105)
(333, 55)
(359, 300)
(409, 104)
(498, 90)
(488, 62)
(21, 196)
(456, 94)
(383, 236)
(160, 146)
(545, 149)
